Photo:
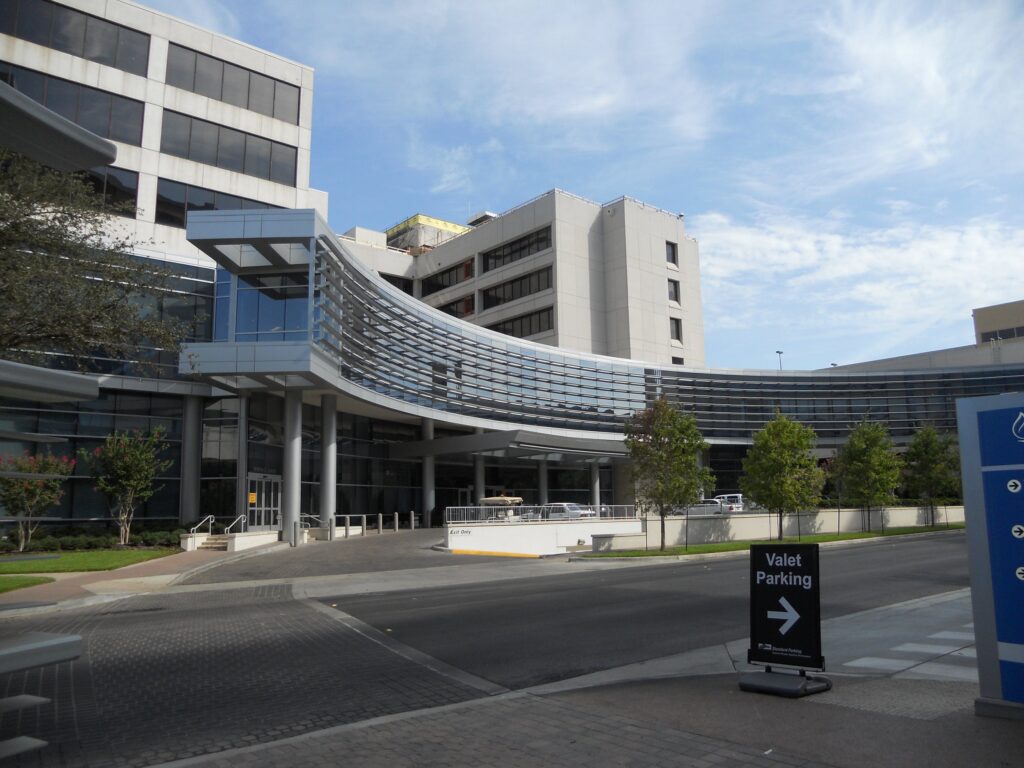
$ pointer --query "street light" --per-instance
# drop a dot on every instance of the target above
(779, 353)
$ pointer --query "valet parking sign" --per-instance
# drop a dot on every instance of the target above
(785, 608)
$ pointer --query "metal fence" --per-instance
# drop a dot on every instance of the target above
(538, 513)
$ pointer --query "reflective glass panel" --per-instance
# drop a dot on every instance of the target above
(286, 103)
(100, 41)
(126, 121)
(231, 151)
(236, 85)
(34, 20)
(181, 67)
(257, 156)
(202, 146)
(175, 134)
(209, 76)
(68, 30)
(132, 51)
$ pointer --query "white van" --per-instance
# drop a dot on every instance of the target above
(731, 502)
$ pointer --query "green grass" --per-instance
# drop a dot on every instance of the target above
(739, 546)
(93, 560)
(10, 583)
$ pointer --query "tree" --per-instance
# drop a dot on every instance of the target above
(780, 473)
(868, 467)
(931, 467)
(30, 485)
(125, 468)
(666, 447)
(69, 284)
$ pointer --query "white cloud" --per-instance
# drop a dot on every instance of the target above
(816, 279)
(453, 168)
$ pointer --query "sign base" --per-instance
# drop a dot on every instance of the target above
(782, 684)
(1007, 710)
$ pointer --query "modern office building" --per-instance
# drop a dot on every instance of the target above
(381, 372)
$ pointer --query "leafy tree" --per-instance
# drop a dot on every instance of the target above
(780, 472)
(69, 283)
(867, 466)
(931, 467)
(125, 468)
(30, 485)
(666, 446)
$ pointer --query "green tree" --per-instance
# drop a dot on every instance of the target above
(69, 283)
(30, 485)
(125, 468)
(666, 447)
(867, 466)
(780, 472)
(931, 467)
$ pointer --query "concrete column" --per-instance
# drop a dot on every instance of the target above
(242, 464)
(429, 494)
(292, 476)
(595, 484)
(328, 459)
(542, 480)
(191, 459)
(479, 476)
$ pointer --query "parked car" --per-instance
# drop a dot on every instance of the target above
(706, 507)
(732, 502)
(565, 510)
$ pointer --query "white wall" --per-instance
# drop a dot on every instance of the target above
(533, 538)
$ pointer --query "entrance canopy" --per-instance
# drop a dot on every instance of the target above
(517, 444)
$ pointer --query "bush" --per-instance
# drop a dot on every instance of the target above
(45, 544)
(7, 546)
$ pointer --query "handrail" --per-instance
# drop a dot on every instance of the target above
(233, 522)
(208, 518)
(305, 517)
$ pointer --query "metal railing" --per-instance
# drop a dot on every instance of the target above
(241, 518)
(208, 519)
(538, 513)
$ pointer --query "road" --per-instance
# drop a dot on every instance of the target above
(530, 631)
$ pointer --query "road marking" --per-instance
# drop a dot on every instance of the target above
(935, 650)
(942, 671)
(965, 636)
(889, 665)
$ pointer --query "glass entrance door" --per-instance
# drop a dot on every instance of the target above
(264, 502)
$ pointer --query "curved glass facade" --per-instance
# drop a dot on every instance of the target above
(418, 358)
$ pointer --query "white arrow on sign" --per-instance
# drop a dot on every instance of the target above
(1018, 531)
(1020, 575)
(789, 615)
(1013, 486)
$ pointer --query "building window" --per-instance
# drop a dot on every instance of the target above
(227, 148)
(227, 82)
(673, 291)
(517, 249)
(404, 284)
(447, 278)
(272, 307)
(671, 252)
(526, 325)
(535, 282)
(460, 307)
(678, 361)
(77, 33)
(174, 200)
(105, 114)
(676, 328)
(120, 188)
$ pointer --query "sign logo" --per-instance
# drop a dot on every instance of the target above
(1018, 427)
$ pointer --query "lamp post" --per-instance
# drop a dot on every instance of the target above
(779, 353)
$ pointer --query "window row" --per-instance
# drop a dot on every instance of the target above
(526, 325)
(105, 114)
(174, 200)
(77, 33)
(230, 83)
(213, 144)
(1004, 333)
(119, 188)
(511, 290)
(517, 249)
(404, 284)
(273, 307)
(447, 278)
(460, 307)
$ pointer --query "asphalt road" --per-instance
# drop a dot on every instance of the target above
(526, 632)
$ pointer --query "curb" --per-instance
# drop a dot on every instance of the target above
(232, 558)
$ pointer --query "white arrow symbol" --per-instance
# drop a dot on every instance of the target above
(1020, 575)
(789, 615)
(1013, 486)
(1018, 531)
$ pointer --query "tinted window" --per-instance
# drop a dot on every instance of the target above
(94, 111)
(261, 94)
(32, 84)
(8, 16)
(209, 76)
(225, 202)
(200, 199)
(170, 203)
(68, 30)
(257, 156)
(174, 137)
(202, 146)
(126, 121)
(34, 20)
(100, 41)
(122, 188)
(132, 51)
(181, 67)
(236, 85)
(231, 152)
(282, 164)
(62, 97)
(286, 103)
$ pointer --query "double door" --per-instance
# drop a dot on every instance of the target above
(264, 502)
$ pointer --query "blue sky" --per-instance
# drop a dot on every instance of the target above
(852, 171)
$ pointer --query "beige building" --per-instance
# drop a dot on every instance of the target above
(1000, 322)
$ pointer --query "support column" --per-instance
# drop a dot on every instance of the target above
(242, 462)
(542, 480)
(479, 476)
(595, 484)
(191, 459)
(328, 459)
(292, 476)
(429, 495)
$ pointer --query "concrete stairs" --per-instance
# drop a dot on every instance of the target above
(217, 542)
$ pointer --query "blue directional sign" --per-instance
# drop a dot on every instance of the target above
(992, 460)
